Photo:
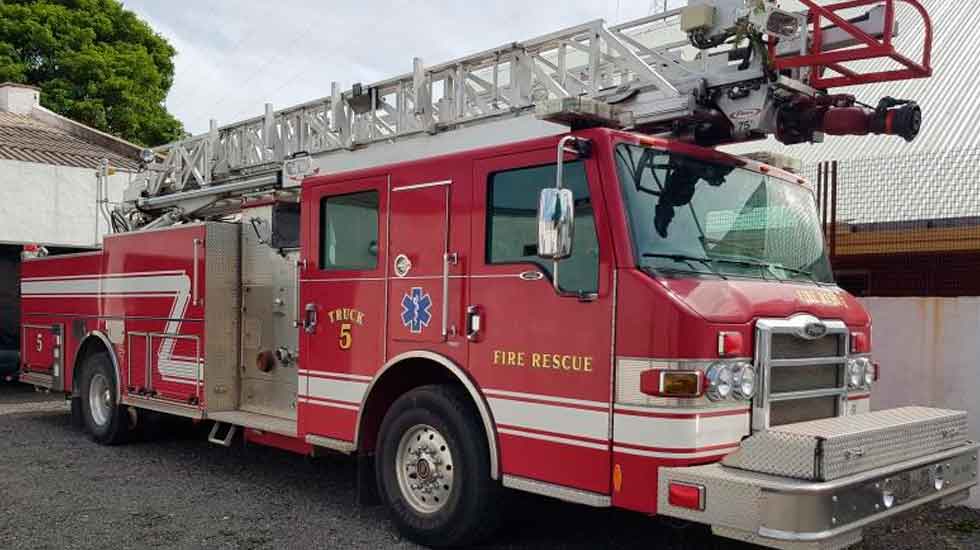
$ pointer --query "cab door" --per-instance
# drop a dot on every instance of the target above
(342, 290)
(543, 355)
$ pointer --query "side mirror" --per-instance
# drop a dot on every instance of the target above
(556, 223)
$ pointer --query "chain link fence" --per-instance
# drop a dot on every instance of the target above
(905, 225)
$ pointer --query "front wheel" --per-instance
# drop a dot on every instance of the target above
(433, 469)
(105, 420)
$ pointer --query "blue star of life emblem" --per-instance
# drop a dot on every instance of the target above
(416, 310)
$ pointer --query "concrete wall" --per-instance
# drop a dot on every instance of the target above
(51, 205)
(929, 351)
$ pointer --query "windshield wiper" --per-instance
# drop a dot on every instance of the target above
(683, 258)
(769, 267)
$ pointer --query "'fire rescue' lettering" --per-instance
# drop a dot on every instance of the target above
(553, 361)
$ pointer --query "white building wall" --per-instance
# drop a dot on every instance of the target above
(929, 351)
(52, 205)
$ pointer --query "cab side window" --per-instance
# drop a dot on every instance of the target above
(512, 223)
(349, 231)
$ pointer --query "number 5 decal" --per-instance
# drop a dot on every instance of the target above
(39, 343)
(346, 338)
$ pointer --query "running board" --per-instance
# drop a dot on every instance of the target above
(229, 436)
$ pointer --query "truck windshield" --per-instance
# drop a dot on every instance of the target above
(690, 215)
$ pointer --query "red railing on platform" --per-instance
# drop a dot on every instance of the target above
(871, 48)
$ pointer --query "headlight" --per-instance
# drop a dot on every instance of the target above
(869, 372)
(743, 377)
(719, 382)
(855, 372)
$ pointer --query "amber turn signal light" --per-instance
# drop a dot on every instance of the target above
(672, 383)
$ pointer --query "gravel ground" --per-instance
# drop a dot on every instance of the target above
(60, 490)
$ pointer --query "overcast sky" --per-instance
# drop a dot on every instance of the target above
(233, 56)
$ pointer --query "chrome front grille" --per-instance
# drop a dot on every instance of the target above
(803, 378)
(791, 346)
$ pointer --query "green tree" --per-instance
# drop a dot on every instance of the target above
(94, 61)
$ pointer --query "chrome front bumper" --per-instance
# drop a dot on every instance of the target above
(787, 513)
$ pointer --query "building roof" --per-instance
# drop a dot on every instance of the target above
(28, 139)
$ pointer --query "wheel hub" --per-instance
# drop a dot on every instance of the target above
(100, 399)
(424, 467)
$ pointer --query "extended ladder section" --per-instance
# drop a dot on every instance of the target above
(716, 71)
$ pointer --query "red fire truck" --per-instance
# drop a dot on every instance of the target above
(527, 268)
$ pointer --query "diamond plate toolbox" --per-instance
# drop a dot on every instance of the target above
(832, 448)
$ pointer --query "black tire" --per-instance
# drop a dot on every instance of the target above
(470, 512)
(114, 426)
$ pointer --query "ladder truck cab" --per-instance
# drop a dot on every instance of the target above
(525, 268)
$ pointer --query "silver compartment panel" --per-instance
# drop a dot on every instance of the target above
(832, 448)
(268, 315)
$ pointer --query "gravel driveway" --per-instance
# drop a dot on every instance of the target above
(58, 490)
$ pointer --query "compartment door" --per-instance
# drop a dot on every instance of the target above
(42, 351)
(419, 290)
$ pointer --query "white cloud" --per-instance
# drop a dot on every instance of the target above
(234, 56)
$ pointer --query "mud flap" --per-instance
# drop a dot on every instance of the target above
(367, 484)
(77, 421)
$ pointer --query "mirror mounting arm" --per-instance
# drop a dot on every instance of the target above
(581, 148)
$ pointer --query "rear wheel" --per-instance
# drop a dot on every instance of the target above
(433, 469)
(106, 421)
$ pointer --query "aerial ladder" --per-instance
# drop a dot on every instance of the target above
(711, 73)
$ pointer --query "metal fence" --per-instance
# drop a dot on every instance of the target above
(903, 226)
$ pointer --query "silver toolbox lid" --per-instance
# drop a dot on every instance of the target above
(832, 448)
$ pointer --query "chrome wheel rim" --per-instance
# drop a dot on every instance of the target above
(425, 469)
(100, 399)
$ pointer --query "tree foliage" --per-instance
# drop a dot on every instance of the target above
(94, 61)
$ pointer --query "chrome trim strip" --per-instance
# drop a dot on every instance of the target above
(346, 447)
(673, 360)
(612, 355)
(158, 405)
(804, 362)
(460, 374)
(385, 276)
(808, 394)
(422, 185)
(560, 492)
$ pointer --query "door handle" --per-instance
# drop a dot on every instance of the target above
(474, 323)
(309, 319)
(300, 268)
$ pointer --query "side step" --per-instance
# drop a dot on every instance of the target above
(229, 434)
